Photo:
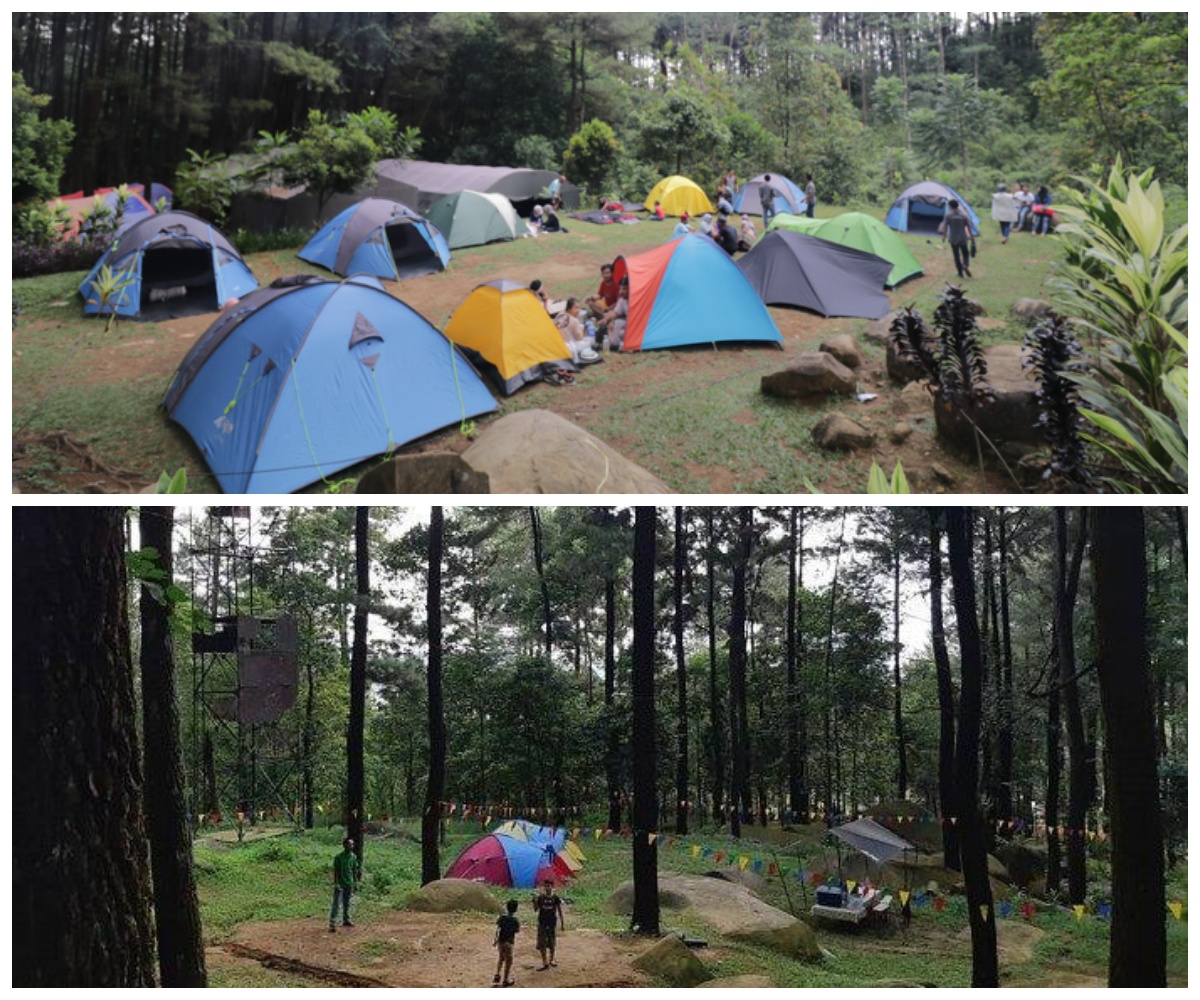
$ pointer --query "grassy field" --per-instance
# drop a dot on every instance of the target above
(86, 413)
(286, 877)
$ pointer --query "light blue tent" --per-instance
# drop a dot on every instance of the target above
(173, 258)
(922, 206)
(552, 836)
(789, 197)
(380, 237)
(307, 377)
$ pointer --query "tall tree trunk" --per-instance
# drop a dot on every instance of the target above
(613, 744)
(796, 749)
(79, 837)
(1137, 954)
(645, 764)
(739, 799)
(176, 906)
(830, 753)
(1004, 745)
(714, 701)
(535, 523)
(973, 848)
(306, 741)
(431, 819)
(1053, 776)
(945, 685)
(681, 724)
(897, 705)
(1077, 775)
(355, 775)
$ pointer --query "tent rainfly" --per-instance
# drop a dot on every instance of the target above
(875, 841)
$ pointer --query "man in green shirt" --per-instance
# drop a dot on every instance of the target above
(347, 870)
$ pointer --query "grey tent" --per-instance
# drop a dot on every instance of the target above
(420, 183)
(877, 842)
(788, 268)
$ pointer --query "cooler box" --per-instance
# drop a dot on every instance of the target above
(829, 895)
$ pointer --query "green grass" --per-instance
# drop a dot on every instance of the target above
(287, 877)
(705, 426)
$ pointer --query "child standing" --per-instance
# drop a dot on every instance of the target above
(507, 926)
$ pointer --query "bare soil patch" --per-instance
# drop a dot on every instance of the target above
(402, 949)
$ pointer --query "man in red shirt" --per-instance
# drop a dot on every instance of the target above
(607, 297)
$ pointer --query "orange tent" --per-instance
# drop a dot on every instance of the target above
(507, 333)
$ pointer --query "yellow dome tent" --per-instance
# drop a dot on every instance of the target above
(507, 333)
(679, 195)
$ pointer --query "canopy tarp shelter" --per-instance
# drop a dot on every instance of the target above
(421, 182)
(875, 841)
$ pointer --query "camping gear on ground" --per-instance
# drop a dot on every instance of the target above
(678, 195)
(504, 329)
(829, 895)
(307, 377)
(879, 844)
(173, 250)
(789, 197)
(520, 855)
(380, 237)
(862, 232)
(473, 218)
(788, 268)
(690, 291)
(921, 206)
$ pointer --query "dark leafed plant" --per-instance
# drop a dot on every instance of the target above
(962, 370)
(1051, 351)
(911, 339)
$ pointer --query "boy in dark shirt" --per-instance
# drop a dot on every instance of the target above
(550, 913)
(507, 926)
(956, 227)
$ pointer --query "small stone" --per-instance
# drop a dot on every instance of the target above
(1030, 309)
(837, 431)
(900, 433)
(879, 331)
(941, 474)
(815, 374)
(845, 349)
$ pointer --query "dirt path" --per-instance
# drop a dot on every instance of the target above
(428, 950)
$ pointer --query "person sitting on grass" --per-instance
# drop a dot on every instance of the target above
(681, 227)
(347, 870)
(507, 926)
(608, 294)
(550, 920)
(747, 236)
(658, 214)
(570, 325)
(612, 323)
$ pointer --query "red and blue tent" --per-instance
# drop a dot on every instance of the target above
(690, 291)
(507, 861)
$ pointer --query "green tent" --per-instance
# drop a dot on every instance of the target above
(471, 218)
(853, 229)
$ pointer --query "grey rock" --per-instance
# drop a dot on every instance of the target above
(809, 375)
(837, 431)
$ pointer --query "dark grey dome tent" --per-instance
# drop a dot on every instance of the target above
(792, 269)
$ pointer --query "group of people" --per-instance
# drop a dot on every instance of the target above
(1013, 208)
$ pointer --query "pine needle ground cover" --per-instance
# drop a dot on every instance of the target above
(85, 401)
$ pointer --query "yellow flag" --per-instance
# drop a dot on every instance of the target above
(599, 833)
(1176, 910)
(695, 850)
(983, 911)
(850, 884)
(1079, 908)
(652, 837)
(744, 862)
(904, 895)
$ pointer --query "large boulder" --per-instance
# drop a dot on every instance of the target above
(453, 895)
(1012, 414)
(838, 432)
(733, 911)
(845, 348)
(739, 983)
(1024, 863)
(670, 960)
(1030, 309)
(439, 472)
(810, 375)
(621, 898)
(755, 883)
(536, 451)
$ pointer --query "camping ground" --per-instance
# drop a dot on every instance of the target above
(85, 399)
(263, 903)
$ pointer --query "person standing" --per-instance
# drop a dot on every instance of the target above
(766, 196)
(347, 871)
(507, 926)
(810, 196)
(1024, 199)
(1004, 210)
(549, 911)
(1042, 212)
(956, 227)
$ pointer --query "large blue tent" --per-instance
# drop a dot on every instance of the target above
(922, 206)
(307, 377)
(789, 197)
(173, 258)
(380, 237)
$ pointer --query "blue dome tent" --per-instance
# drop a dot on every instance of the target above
(380, 237)
(307, 377)
(789, 196)
(173, 258)
(922, 205)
